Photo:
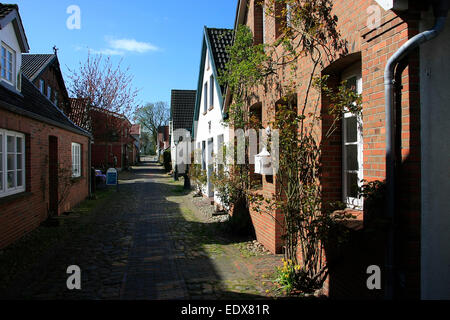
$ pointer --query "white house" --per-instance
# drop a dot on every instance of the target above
(180, 126)
(210, 133)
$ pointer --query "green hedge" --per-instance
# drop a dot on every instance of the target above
(167, 161)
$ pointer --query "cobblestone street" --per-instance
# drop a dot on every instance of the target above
(149, 240)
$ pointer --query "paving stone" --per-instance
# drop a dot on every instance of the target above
(140, 245)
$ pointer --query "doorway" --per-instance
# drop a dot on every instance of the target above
(53, 175)
(210, 167)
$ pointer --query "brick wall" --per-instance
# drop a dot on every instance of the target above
(21, 214)
(372, 48)
(105, 146)
(51, 79)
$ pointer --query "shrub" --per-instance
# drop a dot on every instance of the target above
(167, 160)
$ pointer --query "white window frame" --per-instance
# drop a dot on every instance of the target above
(5, 190)
(76, 160)
(288, 15)
(5, 61)
(354, 203)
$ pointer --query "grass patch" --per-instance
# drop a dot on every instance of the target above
(214, 249)
(245, 252)
(27, 251)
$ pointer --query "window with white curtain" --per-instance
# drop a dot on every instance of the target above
(12, 162)
(76, 160)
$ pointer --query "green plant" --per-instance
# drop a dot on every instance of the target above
(292, 278)
(197, 175)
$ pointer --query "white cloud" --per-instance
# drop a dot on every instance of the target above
(108, 52)
(131, 45)
(119, 47)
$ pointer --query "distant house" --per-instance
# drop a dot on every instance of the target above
(43, 155)
(136, 134)
(163, 140)
(181, 119)
(210, 134)
(113, 143)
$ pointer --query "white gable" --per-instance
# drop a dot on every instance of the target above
(210, 128)
(9, 40)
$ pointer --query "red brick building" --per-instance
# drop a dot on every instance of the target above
(113, 144)
(369, 49)
(136, 135)
(163, 140)
(43, 156)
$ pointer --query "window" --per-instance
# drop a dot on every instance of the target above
(259, 19)
(288, 15)
(280, 18)
(352, 139)
(49, 92)
(205, 98)
(41, 86)
(211, 91)
(56, 98)
(76, 160)
(220, 153)
(203, 155)
(12, 163)
(7, 64)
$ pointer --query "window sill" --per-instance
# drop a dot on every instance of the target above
(15, 197)
(210, 108)
(356, 222)
(74, 180)
(204, 113)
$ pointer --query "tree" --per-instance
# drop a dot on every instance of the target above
(105, 86)
(152, 116)
(147, 144)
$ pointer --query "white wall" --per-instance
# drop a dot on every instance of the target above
(8, 37)
(203, 133)
(435, 136)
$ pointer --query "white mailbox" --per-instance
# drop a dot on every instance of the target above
(263, 163)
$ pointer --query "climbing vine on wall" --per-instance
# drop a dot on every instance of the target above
(307, 33)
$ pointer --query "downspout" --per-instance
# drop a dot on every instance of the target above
(440, 8)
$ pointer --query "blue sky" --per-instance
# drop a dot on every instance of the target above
(159, 40)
